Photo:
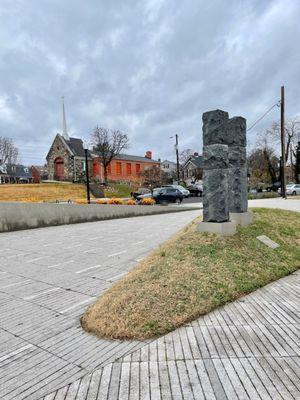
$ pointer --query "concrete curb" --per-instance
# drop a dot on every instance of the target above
(18, 216)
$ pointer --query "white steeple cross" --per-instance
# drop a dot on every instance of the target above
(65, 131)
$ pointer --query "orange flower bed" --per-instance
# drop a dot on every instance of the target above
(131, 202)
(148, 202)
(114, 200)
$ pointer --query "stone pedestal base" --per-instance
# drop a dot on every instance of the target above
(242, 219)
(221, 228)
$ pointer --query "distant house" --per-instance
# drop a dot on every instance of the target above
(169, 167)
(39, 173)
(15, 173)
(192, 170)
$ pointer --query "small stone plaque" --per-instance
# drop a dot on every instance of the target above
(267, 241)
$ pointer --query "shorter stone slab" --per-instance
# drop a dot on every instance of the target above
(267, 241)
(221, 228)
(243, 219)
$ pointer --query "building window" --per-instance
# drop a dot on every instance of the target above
(137, 168)
(128, 168)
(118, 168)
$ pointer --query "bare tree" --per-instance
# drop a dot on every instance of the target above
(297, 164)
(292, 137)
(108, 144)
(153, 177)
(263, 162)
(185, 155)
(8, 152)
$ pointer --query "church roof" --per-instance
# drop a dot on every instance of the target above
(76, 146)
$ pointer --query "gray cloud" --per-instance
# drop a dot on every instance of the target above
(149, 68)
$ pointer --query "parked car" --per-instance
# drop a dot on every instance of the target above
(293, 189)
(184, 191)
(274, 187)
(140, 192)
(195, 190)
(164, 195)
(147, 195)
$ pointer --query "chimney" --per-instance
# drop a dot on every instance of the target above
(148, 154)
(196, 154)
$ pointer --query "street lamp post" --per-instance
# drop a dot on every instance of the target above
(87, 177)
(177, 156)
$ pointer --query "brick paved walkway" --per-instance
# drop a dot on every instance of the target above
(47, 279)
(248, 349)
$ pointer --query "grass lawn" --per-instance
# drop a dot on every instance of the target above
(42, 192)
(56, 191)
(192, 274)
(117, 190)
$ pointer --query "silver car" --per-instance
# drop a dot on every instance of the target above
(293, 189)
(184, 191)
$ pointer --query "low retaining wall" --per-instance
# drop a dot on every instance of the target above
(17, 216)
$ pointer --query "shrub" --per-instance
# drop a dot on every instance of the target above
(262, 195)
(131, 202)
(148, 202)
(114, 200)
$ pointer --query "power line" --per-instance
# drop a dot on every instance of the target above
(267, 112)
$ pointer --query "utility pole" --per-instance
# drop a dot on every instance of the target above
(177, 158)
(282, 131)
(87, 177)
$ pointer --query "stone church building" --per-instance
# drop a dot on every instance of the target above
(66, 161)
(66, 157)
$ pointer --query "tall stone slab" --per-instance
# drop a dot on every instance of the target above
(215, 167)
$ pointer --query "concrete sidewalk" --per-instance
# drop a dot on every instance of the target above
(278, 202)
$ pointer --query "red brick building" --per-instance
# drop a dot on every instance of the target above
(124, 167)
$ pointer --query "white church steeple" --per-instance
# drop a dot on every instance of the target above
(65, 131)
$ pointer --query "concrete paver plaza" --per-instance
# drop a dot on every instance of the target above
(248, 349)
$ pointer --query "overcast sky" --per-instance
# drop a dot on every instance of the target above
(147, 67)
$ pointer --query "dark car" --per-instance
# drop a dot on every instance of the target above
(168, 195)
(274, 187)
(164, 195)
(195, 190)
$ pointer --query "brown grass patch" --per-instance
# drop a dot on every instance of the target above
(192, 274)
(42, 192)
